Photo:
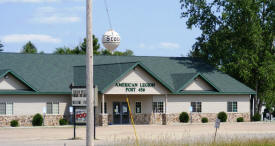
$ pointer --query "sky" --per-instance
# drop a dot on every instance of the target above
(147, 27)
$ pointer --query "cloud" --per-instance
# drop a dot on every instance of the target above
(161, 45)
(27, 1)
(169, 45)
(18, 38)
(51, 15)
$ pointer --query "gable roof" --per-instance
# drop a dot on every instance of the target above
(4, 72)
(53, 74)
(105, 75)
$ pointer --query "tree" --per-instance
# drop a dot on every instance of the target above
(81, 49)
(237, 38)
(29, 48)
(1, 46)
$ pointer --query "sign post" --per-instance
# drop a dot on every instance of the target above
(74, 122)
(217, 125)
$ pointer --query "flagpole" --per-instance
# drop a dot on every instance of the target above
(89, 76)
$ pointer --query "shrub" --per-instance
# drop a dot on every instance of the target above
(256, 117)
(204, 120)
(37, 120)
(14, 123)
(63, 122)
(184, 117)
(240, 119)
(222, 116)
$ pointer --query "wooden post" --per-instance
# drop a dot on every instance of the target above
(89, 76)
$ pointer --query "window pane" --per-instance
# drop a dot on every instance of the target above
(2, 108)
(229, 106)
(235, 107)
(138, 107)
(55, 108)
(49, 108)
(160, 107)
(154, 107)
(198, 106)
(9, 108)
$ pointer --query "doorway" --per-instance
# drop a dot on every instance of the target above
(120, 113)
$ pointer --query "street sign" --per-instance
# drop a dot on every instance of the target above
(217, 123)
(71, 109)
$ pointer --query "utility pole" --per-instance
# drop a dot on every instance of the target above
(89, 76)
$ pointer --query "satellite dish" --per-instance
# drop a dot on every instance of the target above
(111, 40)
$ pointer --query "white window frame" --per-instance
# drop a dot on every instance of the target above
(232, 106)
(12, 112)
(140, 107)
(196, 104)
(53, 102)
(158, 106)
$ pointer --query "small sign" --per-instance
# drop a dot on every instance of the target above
(217, 123)
(71, 109)
(191, 109)
(44, 110)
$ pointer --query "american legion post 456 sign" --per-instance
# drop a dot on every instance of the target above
(135, 87)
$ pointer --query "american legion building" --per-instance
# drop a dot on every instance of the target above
(158, 88)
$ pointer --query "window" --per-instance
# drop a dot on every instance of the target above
(53, 108)
(196, 106)
(232, 106)
(105, 107)
(158, 107)
(138, 107)
(6, 108)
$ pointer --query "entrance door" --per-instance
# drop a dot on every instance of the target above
(120, 113)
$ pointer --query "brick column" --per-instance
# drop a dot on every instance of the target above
(103, 120)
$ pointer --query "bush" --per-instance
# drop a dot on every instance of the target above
(63, 122)
(37, 120)
(204, 120)
(256, 117)
(184, 117)
(14, 123)
(222, 116)
(240, 119)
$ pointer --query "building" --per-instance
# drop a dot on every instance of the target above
(158, 88)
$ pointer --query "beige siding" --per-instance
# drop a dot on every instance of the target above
(138, 75)
(210, 103)
(11, 83)
(199, 85)
(32, 104)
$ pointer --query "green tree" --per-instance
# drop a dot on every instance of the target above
(29, 48)
(238, 38)
(1, 46)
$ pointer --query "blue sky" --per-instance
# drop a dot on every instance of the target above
(148, 27)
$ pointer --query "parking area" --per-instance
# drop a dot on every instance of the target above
(55, 136)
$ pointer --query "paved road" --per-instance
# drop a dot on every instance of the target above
(60, 136)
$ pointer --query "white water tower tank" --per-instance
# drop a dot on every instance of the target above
(111, 40)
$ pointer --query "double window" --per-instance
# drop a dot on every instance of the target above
(53, 108)
(196, 106)
(138, 107)
(232, 106)
(6, 108)
(158, 107)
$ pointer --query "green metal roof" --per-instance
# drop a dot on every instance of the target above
(50, 73)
